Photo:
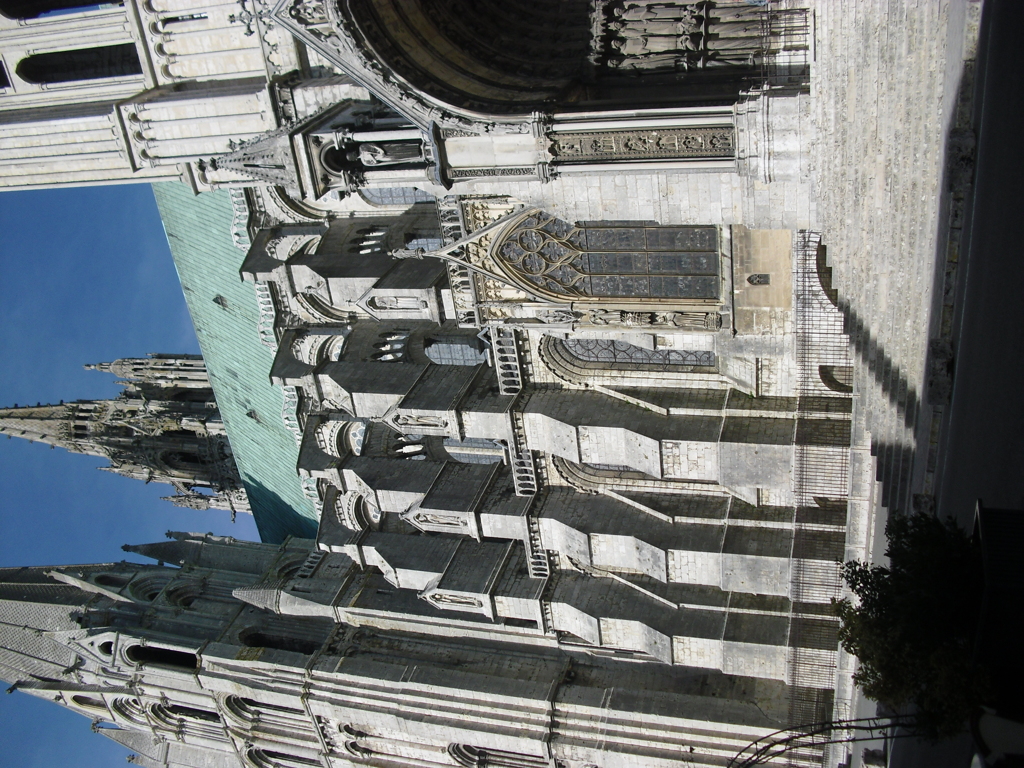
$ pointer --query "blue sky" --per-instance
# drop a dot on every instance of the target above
(85, 277)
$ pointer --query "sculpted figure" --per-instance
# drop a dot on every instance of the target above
(645, 12)
(387, 153)
(396, 302)
(420, 421)
(656, 28)
(657, 61)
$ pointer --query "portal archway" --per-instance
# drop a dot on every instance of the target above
(503, 57)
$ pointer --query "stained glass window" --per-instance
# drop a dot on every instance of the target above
(608, 351)
(610, 260)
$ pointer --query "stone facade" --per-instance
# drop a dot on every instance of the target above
(164, 427)
(571, 388)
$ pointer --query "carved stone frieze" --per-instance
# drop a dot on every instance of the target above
(691, 321)
(669, 144)
(472, 173)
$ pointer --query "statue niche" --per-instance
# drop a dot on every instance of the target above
(694, 36)
(359, 157)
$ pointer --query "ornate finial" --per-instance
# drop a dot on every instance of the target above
(249, 18)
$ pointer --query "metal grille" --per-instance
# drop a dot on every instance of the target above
(820, 471)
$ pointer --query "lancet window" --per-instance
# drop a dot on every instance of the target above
(145, 655)
(621, 353)
(251, 712)
(611, 260)
(81, 64)
(582, 360)
(262, 758)
(34, 9)
(469, 756)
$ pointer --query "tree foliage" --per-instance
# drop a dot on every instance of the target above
(913, 623)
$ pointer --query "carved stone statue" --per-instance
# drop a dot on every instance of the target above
(405, 420)
(645, 12)
(432, 518)
(388, 153)
(396, 302)
(558, 316)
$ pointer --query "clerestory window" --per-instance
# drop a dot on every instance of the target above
(81, 64)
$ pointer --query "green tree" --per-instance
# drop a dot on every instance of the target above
(913, 623)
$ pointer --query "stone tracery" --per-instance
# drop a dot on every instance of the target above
(600, 261)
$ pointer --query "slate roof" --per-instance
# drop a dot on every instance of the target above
(198, 231)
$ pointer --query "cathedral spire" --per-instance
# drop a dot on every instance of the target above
(164, 427)
(50, 424)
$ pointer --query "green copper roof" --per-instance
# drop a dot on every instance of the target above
(225, 314)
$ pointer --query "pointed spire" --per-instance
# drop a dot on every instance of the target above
(267, 158)
(50, 424)
(265, 595)
(209, 551)
(180, 550)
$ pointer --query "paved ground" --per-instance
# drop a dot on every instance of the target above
(887, 75)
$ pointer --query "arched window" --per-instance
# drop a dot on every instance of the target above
(33, 9)
(89, 702)
(265, 758)
(129, 709)
(585, 360)
(170, 713)
(470, 756)
(616, 353)
(146, 655)
(82, 64)
(148, 588)
(395, 196)
(610, 260)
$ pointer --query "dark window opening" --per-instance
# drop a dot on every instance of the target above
(163, 657)
(84, 64)
(193, 714)
(33, 9)
(513, 622)
(336, 161)
(113, 582)
(273, 707)
(257, 639)
(107, 648)
(89, 702)
(5, 81)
